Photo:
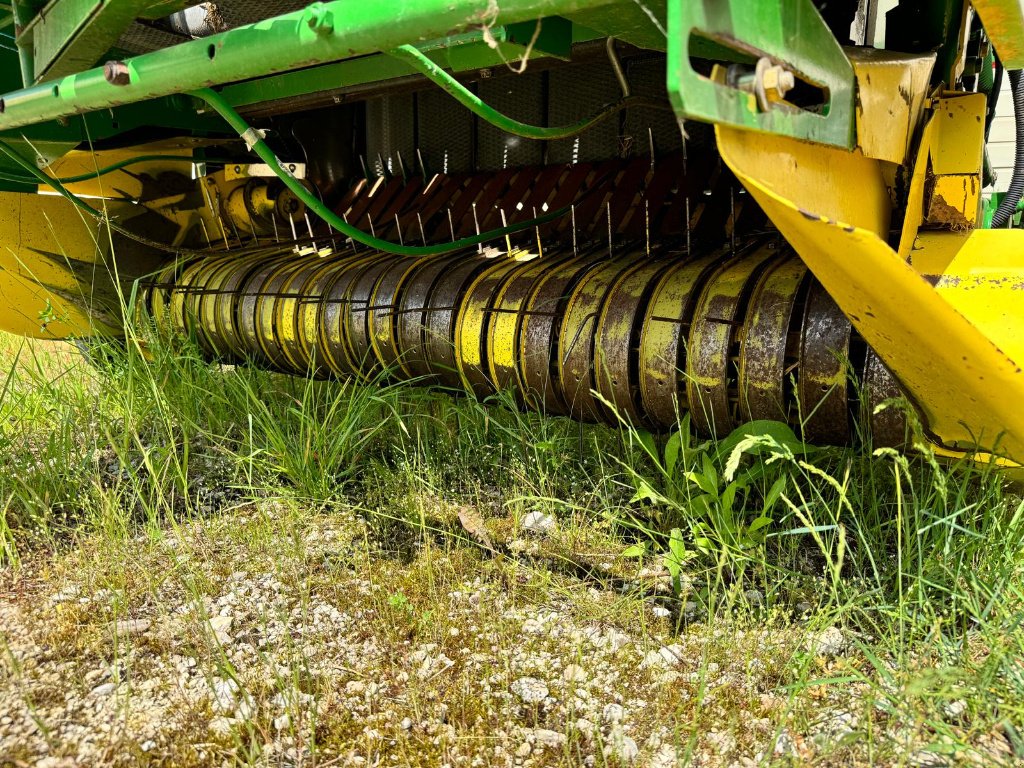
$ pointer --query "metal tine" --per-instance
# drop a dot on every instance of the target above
(370, 220)
(575, 250)
(398, 226)
(451, 224)
(295, 235)
(366, 168)
(350, 241)
(476, 223)
(508, 239)
(206, 233)
(688, 249)
(402, 167)
(423, 167)
(647, 225)
(309, 228)
(650, 141)
(423, 235)
(273, 222)
(252, 225)
(536, 229)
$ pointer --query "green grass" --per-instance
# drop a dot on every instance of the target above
(760, 537)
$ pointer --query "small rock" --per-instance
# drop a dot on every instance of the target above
(524, 749)
(530, 690)
(225, 694)
(622, 747)
(574, 673)
(282, 722)
(147, 745)
(922, 758)
(665, 757)
(784, 745)
(221, 726)
(538, 522)
(130, 627)
(103, 690)
(406, 723)
(613, 713)
(828, 642)
(660, 612)
(955, 710)
(548, 738)
(586, 728)
(355, 687)
(221, 626)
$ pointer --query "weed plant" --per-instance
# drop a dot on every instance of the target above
(922, 561)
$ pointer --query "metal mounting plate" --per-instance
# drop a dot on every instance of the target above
(790, 33)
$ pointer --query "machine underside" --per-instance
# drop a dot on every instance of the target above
(648, 266)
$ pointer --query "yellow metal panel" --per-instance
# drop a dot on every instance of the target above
(967, 388)
(53, 265)
(889, 107)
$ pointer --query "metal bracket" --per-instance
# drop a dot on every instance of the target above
(787, 38)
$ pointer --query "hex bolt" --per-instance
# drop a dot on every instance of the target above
(117, 73)
(319, 19)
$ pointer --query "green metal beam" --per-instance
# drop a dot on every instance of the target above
(323, 32)
(789, 33)
(68, 36)
(459, 53)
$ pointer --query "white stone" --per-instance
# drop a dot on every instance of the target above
(221, 627)
(574, 673)
(406, 724)
(530, 690)
(660, 613)
(613, 713)
(538, 522)
(828, 642)
(548, 738)
(104, 690)
(282, 722)
(147, 745)
(221, 726)
(132, 626)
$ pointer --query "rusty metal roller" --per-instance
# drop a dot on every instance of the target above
(356, 315)
(713, 342)
(504, 325)
(332, 318)
(471, 329)
(767, 353)
(823, 374)
(411, 315)
(578, 335)
(538, 335)
(617, 341)
(662, 357)
(442, 319)
(729, 335)
(295, 315)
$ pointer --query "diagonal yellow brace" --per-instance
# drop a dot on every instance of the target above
(829, 205)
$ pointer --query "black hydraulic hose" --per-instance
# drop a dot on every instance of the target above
(1008, 204)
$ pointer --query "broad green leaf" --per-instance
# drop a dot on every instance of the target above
(672, 449)
(637, 550)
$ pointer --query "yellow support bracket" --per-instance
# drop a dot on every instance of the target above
(945, 316)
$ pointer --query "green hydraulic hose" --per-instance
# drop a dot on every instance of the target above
(255, 141)
(421, 63)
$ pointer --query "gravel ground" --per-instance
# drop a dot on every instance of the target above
(269, 636)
